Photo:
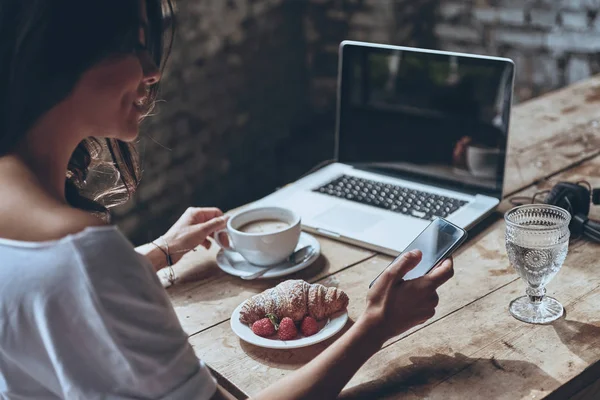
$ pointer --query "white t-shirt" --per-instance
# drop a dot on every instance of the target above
(85, 317)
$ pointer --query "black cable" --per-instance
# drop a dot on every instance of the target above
(593, 235)
(592, 230)
(522, 200)
(589, 186)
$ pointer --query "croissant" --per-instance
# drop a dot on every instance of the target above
(294, 299)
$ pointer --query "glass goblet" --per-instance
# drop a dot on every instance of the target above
(537, 241)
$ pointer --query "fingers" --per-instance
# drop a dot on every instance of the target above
(223, 239)
(440, 274)
(200, 215)
(439, 265)
(396, 271)
(406, 262)
(206, 229)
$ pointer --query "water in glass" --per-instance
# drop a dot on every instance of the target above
(537, 239)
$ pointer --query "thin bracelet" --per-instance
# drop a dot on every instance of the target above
(171, 277)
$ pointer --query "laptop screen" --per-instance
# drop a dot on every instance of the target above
(434, 117)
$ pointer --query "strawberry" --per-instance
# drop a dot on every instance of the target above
(287, 329)
(265, 327)
(309, 326)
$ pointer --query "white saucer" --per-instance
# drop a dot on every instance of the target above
(242, 267)
(332, 326)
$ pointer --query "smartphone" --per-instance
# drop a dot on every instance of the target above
(437, 242)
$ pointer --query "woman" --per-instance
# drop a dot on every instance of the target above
(82, 313)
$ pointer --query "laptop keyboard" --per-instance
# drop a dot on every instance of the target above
(391, 197)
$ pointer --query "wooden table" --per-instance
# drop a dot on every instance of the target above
(472, 348)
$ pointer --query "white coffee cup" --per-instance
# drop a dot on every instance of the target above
(268, 247)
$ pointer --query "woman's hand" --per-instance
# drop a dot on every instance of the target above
(459, 154)
(191, 230)
(395, 305)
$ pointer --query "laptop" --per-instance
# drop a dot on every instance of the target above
(420, 134)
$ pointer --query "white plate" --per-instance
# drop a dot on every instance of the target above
(335, 324)
(242, 267)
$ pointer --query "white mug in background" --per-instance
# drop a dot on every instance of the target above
(264, 248)
(482, 162)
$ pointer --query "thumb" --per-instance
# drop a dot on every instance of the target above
(406, 262)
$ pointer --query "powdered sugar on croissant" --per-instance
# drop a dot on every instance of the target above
(294, 299)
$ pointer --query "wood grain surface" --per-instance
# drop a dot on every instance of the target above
(472, 348)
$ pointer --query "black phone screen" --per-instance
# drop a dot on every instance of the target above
(437, 241)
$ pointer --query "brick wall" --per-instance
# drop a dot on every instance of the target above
(327, 23)
(249, 93)
(553, 42)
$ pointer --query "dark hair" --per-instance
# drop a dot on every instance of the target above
(46, 46)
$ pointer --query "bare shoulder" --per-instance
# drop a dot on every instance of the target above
(29, 213)
(64, 221)
(71, 220)
(42, 223)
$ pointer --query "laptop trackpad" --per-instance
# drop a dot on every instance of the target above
(347, 219)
